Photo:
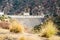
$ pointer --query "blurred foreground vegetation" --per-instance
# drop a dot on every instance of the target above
(51, 26)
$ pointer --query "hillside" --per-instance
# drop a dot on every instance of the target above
(32, 6)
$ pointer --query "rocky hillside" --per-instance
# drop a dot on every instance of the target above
(19, 6)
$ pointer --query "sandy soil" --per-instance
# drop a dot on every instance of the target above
(7, 35)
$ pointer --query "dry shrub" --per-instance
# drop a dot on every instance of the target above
(36, 29)
(16, 27)
(48, 29)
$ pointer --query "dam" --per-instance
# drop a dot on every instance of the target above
(29, 21)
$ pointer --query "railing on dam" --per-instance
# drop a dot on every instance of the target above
(16, 16)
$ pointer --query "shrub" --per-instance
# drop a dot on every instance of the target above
(16, 27)
(36, 29)
(48, 29)
(57, 21)
(4, 22)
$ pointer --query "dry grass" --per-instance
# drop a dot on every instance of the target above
(2, 37)
(48, 29)
(29, 37)
(54, 38)
(25, 36)
(16, 27)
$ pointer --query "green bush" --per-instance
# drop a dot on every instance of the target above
(57, 21)
(36, 29)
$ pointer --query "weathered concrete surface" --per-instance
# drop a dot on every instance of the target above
(30, 22)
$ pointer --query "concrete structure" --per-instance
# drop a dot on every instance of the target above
(1, 13)
(29, 21)
(26, 13)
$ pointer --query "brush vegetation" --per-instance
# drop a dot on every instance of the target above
(16, 27)
(48, 28)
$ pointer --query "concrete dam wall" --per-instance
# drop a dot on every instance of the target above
(29, 21)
